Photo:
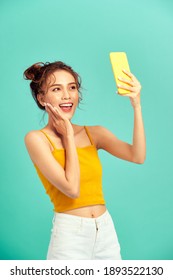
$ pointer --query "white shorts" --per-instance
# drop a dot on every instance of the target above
(78, 238)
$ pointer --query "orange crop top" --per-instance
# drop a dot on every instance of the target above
(90, 179)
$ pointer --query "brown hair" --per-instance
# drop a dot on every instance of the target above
(39, 73)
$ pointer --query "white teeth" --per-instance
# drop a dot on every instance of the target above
(66, 105)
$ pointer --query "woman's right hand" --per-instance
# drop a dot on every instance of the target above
(60, 123)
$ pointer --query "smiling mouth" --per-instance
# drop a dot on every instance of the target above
(66, 107)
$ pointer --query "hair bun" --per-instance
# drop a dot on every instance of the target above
(33, 71)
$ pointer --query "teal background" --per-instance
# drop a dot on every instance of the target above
(82, 33)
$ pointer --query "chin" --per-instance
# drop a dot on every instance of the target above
(68, 116)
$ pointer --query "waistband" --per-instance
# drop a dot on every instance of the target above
(67, 218)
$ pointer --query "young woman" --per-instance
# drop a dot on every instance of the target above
(66, 159)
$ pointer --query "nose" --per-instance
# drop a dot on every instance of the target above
(65, 94)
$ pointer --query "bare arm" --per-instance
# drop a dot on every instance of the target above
(139, 142)
(67, 181)
(136, 151)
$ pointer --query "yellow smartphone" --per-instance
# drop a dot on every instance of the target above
(119, 61)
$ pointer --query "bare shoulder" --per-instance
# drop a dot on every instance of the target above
(37, 145)
(97, 133)
(35, 138)
(32, 135)
(96, 129)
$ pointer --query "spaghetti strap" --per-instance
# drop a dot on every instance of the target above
(48, 138)
(89, 135)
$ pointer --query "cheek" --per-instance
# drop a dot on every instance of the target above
(52, 98)
(76, 97)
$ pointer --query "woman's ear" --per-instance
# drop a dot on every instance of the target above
(40, 98)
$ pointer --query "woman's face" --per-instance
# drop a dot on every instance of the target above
(62, 92)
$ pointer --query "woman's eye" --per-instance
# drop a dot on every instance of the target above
(56, 89)
(73, 87)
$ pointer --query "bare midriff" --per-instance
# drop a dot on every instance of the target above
(92, 211)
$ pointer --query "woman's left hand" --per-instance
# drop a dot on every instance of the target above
(133, 86)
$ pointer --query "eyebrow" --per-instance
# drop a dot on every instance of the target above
(72, 83)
